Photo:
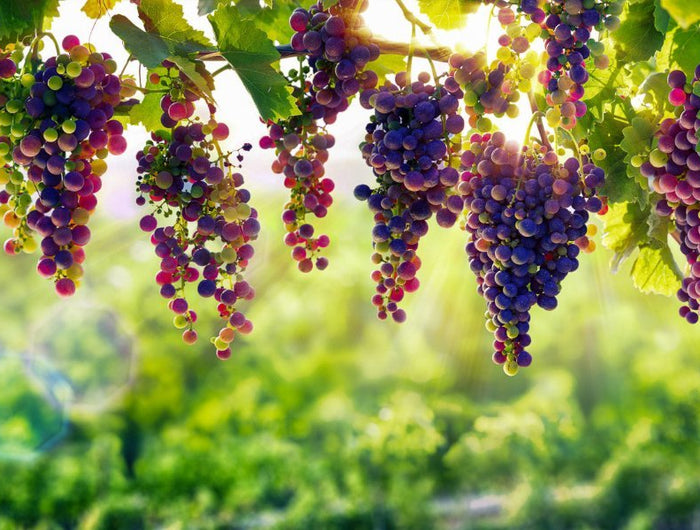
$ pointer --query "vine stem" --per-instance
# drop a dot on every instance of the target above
(436, 53)
(576, 150)
(427, 29)
(540, 126)
(411, 52)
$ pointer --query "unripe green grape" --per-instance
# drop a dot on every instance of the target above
(484, 124)
(600, 154)
(228, 255)
(13, 106)
(510, 367)
(68, 126)
(180, 321)
(16, 177)
(382, 247)
(73, 69)
(5, 119)
(658, 158)
(50, 134)
(17, 56)
(243, 210)
(490, 326)
(27, 80)
(612, 23)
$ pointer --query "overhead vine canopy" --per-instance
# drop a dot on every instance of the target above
(612, 87)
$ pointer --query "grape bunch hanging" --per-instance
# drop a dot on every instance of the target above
(433, 153)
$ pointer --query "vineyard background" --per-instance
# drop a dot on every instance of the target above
(325, 418)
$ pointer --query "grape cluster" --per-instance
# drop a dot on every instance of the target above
(65, 129)
(409, 146)
(484, 88)
(567, 30)
(526, 213)
(207, 226)
(337, 48)
(673, 169)
(301, 144)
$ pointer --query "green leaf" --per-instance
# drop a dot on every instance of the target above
(685, 12)
(168, 20)
(655, 271)
(625, 229)
(637, 38)
(148, 48)
(681, 50)
(662, 19)
(204, 7)
(448, 14)
(148, 111)
(98, 8)
(387, 65)
(22, 18)
(252, 54)
(273, 20)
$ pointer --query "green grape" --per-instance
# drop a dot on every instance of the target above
(510, 367)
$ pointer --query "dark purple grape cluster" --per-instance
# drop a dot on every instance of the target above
(67, 130)
(526, 212)
(338, 48)
(409, 146)
(207, 223)
(567, 29)
(673, 169)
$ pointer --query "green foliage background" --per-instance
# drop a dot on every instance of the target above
(326, 418)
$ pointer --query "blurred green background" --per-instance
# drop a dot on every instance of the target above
(327, 418)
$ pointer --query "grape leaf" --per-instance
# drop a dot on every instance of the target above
(681, 50)
(272, 20)
(98, 8)
(387, 65)
(662, 20)
(685, 12)
(249, 51)
(148, 111)
(148, 48)
(447, 14)
(637, 138)
(167, 19)
(624, 229)
(637, 38)
(655, 271)
(21, 18)
(204, 7)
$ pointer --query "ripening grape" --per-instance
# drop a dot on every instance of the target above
(527, 218)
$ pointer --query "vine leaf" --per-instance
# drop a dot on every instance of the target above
(21, 18)
(625, 229)
(685, 12)
(98, 8)
(655, 271)
(204, 7)
(681, 49)
(148, 111)
(167, 36)
(637, 38)
(637, 138)
(447, 14)
(249, 51)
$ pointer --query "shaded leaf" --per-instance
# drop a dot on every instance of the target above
(148, 48)
(21, 18)
(662, 19)
(251, 54)
(637, 38)
(204, 7)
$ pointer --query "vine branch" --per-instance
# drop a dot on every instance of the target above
(408, 15)
(540, 126)
(435, 53)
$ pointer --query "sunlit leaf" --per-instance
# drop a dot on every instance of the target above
(655, 271)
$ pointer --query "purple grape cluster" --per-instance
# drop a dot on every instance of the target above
(69, 130)
(673, 169)
(410, 150)
(567, 29)
(207, 225)
(526, 212)
(301, 144)
(338, 49)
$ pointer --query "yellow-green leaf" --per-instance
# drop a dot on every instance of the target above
(98, 8)
(655, 271)
(448, 14)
